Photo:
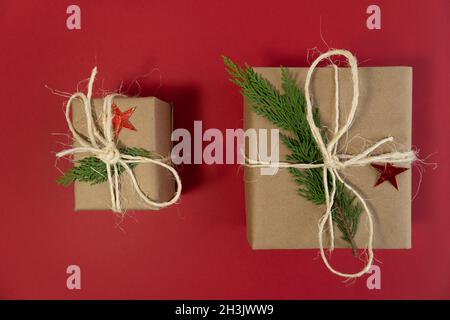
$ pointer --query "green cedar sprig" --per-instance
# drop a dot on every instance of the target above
(288, 112)
(93, 170)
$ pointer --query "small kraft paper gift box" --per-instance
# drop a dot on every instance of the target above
(279, 218)
(139, 123)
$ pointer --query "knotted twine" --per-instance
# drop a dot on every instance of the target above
(103, 146)
(334, 162)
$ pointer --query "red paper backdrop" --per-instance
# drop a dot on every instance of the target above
(198, 248)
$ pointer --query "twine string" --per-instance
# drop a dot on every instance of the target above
(334, 162)
(103, 146)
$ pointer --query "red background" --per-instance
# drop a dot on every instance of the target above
(198, 248)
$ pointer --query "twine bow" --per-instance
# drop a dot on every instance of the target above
(103, 146)
(334, 162)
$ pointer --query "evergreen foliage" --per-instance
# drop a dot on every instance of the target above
(287, 111)
(93, 170)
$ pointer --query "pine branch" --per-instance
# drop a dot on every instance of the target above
(288, 111)
(93, 170)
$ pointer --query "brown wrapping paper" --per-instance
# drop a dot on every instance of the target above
(153, 121)
(279, 218)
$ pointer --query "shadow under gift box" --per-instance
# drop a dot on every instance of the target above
(279, 218)
(152, 119)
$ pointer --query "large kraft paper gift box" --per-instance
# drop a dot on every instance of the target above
(279, 218)
(152, 119)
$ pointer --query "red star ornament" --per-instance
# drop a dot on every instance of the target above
(121, 119)
(388, 173)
